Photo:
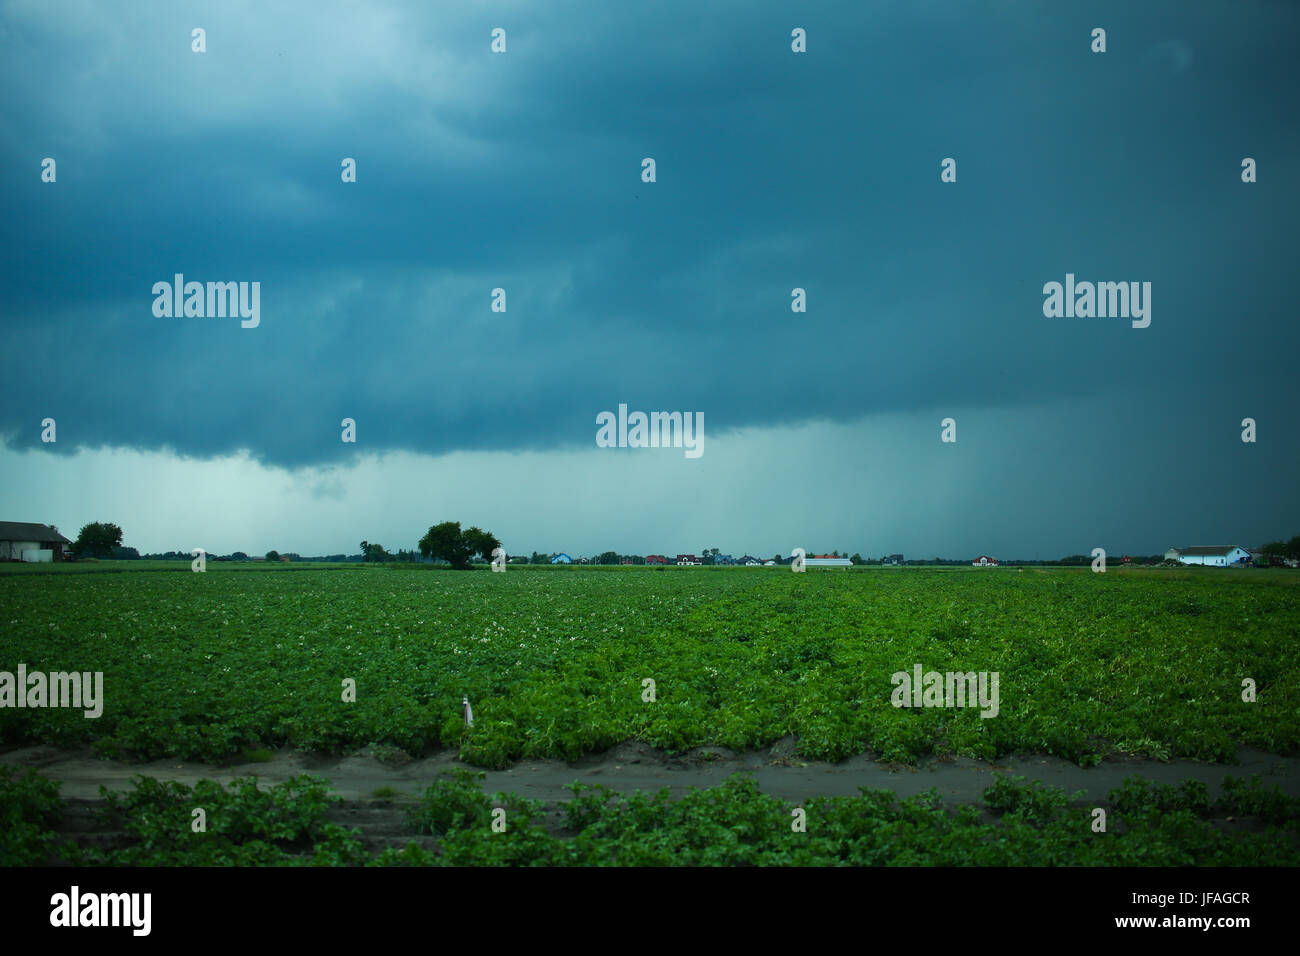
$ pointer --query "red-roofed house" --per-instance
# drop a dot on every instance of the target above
(826, 561)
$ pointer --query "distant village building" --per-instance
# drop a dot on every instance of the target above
(749, 561)
(827, 561)
(24, 541)
(656, 559)
(1217, 556)
(687, 560)
(561, 559)
(984, 561)
(892, 559)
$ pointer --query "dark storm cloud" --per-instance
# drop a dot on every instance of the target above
(521, 171)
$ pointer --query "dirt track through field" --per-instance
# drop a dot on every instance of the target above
(636, 766)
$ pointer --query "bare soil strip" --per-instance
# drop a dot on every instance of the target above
(637, 766)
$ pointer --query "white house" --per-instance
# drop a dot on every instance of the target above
(1217, 556)
(984, 561)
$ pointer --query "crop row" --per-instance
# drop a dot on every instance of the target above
(734, 823)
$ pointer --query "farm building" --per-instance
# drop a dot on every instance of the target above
(561, 559)
(24, 541)
(892, 559)
(749, 561)
(827, 561)
(984, 561)
(656, 559)
(1217, 556)
(687, 560)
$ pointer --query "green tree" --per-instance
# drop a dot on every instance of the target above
(373, 552)
(481, 542)
(1293, 547)
(273, 555)
(98, 538)
(448, 542)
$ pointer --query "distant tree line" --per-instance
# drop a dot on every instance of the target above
(1278, 551)
(1078, 560)
(446, 542)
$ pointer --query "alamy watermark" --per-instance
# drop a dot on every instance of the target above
(1101, 300)
(57, 689)
(75, 908)
(215, 300)
(953, 689)
(655, 430)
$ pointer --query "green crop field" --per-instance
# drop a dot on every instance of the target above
(557, 661)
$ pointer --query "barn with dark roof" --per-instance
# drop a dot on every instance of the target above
(25, 541)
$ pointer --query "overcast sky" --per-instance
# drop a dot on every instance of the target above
(775, 170)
